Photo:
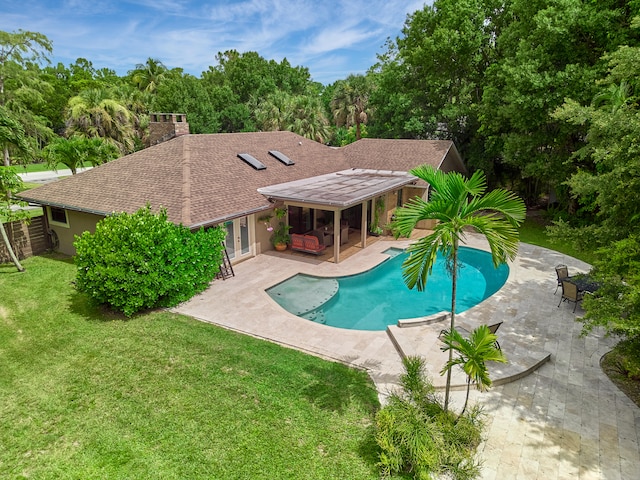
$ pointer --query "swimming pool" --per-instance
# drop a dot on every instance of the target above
(379, 297)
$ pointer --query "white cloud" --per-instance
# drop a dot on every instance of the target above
(327, 37)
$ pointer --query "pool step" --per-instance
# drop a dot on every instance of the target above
(304, 295)
(423, 340)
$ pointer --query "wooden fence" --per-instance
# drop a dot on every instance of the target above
(27, 240)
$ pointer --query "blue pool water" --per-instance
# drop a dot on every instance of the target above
(379, 297)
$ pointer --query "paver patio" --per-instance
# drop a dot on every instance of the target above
(564, 420)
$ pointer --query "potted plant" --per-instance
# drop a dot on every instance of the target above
(280, 237)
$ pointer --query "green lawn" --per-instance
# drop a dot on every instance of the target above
(85, 394)
(533, 232)
(41, 167)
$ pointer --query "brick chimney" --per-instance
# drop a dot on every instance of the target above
(165, 126)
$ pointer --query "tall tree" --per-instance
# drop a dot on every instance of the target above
(307, 118)
(10, 133)
(241, 77)
(17, 50)
(458, 205)
(606, 182)
(549, 51)
(350, 102)
(193, 97)
(302, 114)
(250, 75)
(21, 47)
(430, 81)
(271, 113)
(97, 113)
(67, 82)
(147, 76)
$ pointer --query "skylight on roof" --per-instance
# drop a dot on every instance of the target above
(282, 157)
(253, 161)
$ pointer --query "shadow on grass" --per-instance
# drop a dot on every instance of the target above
(58, 257)
(81, 304)
(369, 450)
(9, 267)
(337, 385)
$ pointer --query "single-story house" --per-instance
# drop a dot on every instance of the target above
(236, 179)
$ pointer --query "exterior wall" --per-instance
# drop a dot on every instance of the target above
(77, 224)
(412, 192)
(262, 235)
(452, 162)
(26, 240)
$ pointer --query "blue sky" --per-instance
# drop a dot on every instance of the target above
(331, 38)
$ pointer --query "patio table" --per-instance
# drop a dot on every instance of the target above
(585, 283)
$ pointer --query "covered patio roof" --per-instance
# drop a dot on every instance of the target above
(339, 190)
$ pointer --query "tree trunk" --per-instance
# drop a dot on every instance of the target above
(454, 277)
(13, 256)
(7, 160)
(466, 399)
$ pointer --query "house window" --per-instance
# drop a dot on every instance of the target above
(58, 216)
(399, 198)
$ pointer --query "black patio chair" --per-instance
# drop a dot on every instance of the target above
(570, 293)
(562, 272)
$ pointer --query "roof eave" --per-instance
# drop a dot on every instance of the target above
(64, 206)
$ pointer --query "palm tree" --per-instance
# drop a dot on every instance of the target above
(306, 118)
(458, 205)
(270, 113)
(147, 76)
(350, 102)
(472, 355)
(96, 113)
(301, 114)
(75, 151)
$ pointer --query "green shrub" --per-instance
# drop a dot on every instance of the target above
(416, 436)
(629, 354)
(138, 261)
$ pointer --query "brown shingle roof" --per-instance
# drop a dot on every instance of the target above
(199, 179)
(384, 154)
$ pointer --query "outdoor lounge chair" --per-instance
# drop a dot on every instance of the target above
(562, 272)
(297, 242)
(307, 244)
(570, 293)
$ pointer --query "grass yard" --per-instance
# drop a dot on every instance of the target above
(85, 394)
(41, 167)
(532, 231)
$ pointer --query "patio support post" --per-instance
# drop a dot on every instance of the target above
(363, 226)
(336, 235)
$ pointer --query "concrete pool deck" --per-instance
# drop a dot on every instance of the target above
(563, 420)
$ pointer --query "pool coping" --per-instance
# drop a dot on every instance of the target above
(374, 351)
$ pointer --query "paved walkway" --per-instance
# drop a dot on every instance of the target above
(564, 420)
